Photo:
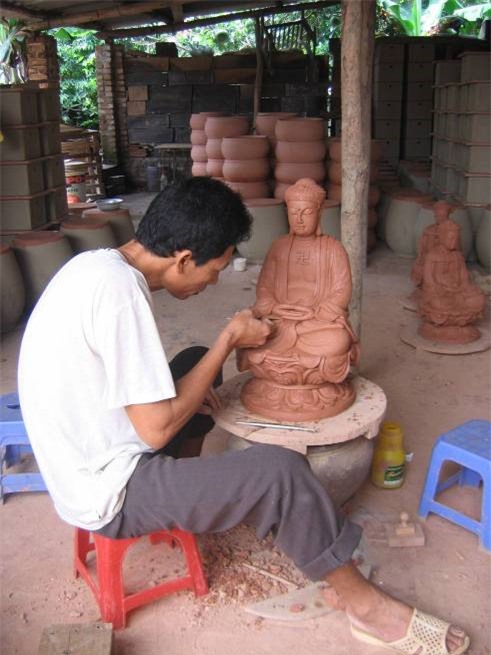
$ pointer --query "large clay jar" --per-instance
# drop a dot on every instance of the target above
(40, 255)
(213, 149)
(331, 219)
(88, 234)
(119, 220)
(300, 152)
(199, 169)
(219, 127)
(12, 291)
(280, 190)
(266, 123)
(214, 167)
(483, 239)
(198, 154)
(197, 121)
(78, 208)
(290, 173)
(249, 190)
(245, 170)
(269, 221)
(198, 138)
(401, 220)
(250, 146)
(300, 129)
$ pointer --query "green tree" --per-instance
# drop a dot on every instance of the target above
(76, 52)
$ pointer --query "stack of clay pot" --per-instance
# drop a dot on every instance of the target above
(12, 290)
(246, 165)
(88, 233)
(216, 129)
(334, 179)
(198, 141)
(266, 124)
(300, 151)
(269, 222)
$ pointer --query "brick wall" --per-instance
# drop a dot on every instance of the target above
(42, 60)
(106, 102)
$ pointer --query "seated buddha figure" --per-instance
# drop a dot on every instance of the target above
(429, 239)
(449, 301)
(304, 288)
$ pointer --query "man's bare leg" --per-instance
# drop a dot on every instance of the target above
(374, 611)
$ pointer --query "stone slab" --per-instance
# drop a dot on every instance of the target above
(77, 639)
(362, 418)
(409, 334)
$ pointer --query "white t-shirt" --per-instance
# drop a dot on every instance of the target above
(90, 348)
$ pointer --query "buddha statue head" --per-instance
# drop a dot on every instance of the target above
(449, 235)
(441, 211)
(304, 201)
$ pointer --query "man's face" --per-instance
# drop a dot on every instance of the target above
(303, 217)
(192, 279)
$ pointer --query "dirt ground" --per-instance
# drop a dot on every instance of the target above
(427, 393)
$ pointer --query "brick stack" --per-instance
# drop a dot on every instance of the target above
(32, 178)
(246, 165)
(42, 60)
(300, 152)
(387, 98)
(198, 141)
(106, 102)
(418, 106)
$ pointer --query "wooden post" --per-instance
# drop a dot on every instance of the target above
(357, 43)
(258, 82)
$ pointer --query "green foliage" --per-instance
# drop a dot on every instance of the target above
(12, 56)
(76, 52)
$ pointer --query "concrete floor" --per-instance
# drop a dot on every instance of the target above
(428, 394)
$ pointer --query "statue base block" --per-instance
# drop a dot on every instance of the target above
(449, 333)
(284, 403)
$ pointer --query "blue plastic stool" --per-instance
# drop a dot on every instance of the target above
(14, 442)
(470, 446)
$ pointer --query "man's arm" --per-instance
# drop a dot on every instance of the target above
(156, 423)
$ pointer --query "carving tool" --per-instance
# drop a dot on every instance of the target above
(277, 426)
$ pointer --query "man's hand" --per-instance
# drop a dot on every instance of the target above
(211, 402)
(246, 331)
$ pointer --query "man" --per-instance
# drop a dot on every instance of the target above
(101, 408)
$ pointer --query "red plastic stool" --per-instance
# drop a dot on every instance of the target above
(109, 588)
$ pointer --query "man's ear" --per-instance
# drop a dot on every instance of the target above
(183, 258)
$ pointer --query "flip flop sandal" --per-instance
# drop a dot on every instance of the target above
(425, 632)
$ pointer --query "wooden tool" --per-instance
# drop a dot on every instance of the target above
(405, 534)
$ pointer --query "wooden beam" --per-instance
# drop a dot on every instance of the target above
(177, 12)
(258, 82)
(9, 10)
(100, 15)
(357, 44)
(214, 20)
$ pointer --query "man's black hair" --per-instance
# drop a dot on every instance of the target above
(198, 214)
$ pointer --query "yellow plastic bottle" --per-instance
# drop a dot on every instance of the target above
(389, 458)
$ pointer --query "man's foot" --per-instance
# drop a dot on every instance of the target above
(374, 612)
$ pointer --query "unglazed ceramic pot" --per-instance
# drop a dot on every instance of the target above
(78, 208)
(290, 173)
(280, 190)
(250, 146)
(269, 221)
(331, 219)
(249, 190)
(198, 154)
(197, 121)
(12, 290)
(334, 149)
(400, 222)
(266, 122)
(220, 127)
(214, 167)
(483, 239)
(198, 138)
(119, 221)
(88, 234)
(40, 255)
(301, 372)
(300, 152)
(300, 129)
(245, 170)
(214, 149)
(199, 169)
(458, 213)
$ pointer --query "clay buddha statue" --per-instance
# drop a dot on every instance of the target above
(429, 239)
(304, 287)
(449, 303)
